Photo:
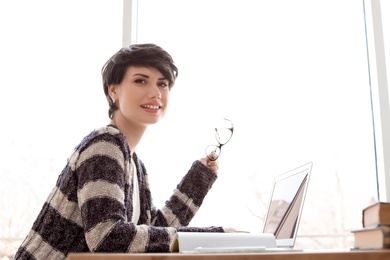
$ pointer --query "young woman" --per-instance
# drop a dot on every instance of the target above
(101, 201)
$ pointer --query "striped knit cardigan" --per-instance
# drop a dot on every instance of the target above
(90, 208)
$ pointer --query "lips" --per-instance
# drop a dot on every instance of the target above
(153, 107)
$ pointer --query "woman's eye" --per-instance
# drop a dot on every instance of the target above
(140, 81)
(164, 84)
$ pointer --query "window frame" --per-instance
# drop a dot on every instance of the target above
(379, 95)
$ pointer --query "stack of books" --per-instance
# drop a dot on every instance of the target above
(375, 233)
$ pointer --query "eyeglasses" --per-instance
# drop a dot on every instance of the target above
(223, 136)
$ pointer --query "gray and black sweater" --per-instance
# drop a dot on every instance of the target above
(90, 208)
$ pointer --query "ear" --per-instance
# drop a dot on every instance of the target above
(112, 91)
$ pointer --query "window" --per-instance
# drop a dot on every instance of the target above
(51, 56)
(376, 42)
(292, 76)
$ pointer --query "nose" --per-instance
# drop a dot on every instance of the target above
(155, 92)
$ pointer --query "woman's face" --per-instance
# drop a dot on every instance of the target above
(142, 97)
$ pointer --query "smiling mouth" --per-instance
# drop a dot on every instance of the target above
(150, 107)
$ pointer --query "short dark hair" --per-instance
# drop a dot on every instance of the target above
(144, 55)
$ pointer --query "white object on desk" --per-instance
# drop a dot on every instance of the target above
(190, 241)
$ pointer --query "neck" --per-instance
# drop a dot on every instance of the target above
(132, 132)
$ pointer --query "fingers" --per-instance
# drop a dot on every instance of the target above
(212, 156)
(212, 165)
(233, 230)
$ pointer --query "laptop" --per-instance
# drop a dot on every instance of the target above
(280, 226)
(286, 205)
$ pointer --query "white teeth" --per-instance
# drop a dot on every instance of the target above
(151, 107)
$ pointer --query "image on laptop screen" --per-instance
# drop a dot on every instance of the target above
(286, 204)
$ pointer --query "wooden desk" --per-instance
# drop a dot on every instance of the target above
(306, 255)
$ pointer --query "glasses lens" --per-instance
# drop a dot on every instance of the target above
(213, 152)
(223, 135)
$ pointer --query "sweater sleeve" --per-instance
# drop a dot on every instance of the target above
(187, 198)
(102, 180)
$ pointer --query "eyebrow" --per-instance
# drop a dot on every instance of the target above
(146, 76)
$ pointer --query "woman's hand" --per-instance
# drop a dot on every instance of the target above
(233, 230)
(212, 165)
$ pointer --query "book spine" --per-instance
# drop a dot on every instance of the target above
(386, 235)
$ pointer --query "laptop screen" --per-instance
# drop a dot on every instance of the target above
(286, 203)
